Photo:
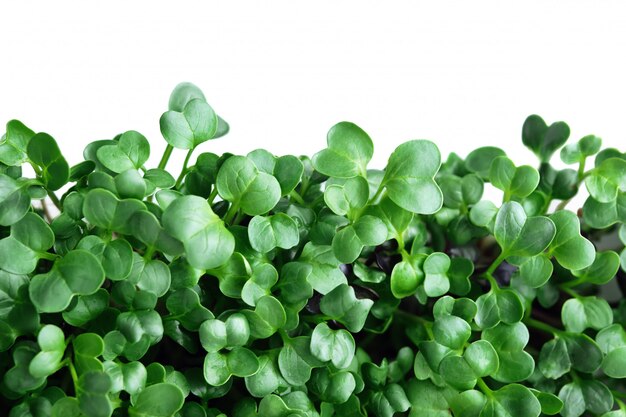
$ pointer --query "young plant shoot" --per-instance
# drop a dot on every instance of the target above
(280, 286)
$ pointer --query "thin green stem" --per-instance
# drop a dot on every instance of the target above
(183, 172)
(492, 268)
(238, 217)
(294, 195)
(570, 291)
(74, 375)
(492, 281)
(55, 200)
(35, 168)
(617, 393)
(47, 255)
(149, 253)
(212, 195)
(580, 176)
(581, 170)
(380, 190)
(539, 325)
(166, 156)
(230, 214)
(484, 388)
(573, 283)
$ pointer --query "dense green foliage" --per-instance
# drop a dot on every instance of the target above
(283, 286)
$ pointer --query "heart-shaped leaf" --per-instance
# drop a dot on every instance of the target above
(569, 248)
(348, 152)
(186, 129)
(131, 152)
(77, 273)
(409, 177)
(43, 151)
(519, 235)
(544, 140)
(207, 242)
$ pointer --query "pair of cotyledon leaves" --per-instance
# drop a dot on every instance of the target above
(409, 176)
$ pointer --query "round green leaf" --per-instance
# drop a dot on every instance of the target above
(409, 177)
(186, 129)
(207, 242)
(159, 400)
(77, 273)
(267, 233)
(348, 152)
(336, 346)
(240, 182)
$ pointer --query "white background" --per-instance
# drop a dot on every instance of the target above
(463, 74)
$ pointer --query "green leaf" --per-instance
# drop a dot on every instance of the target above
(585, 355)
(208, 244)
(544, 140)
(13, 147)
(482, 358)
(467, 403)
(336, 346)
(14, 201)
(154, 278)
(77, 273)
(581, 313)
(146, 227)
(51, 341)
(427, 399)
(409, 177)
(436, 281)
(515, 182)
(263, 278)
(554, 359)
(189, 127)
(266, 380)
(91, 390)
(585, 395)
(341, 304)
(159, 400)
(479, 160)
(406, 276)
(240, 182)
(389, 401)
(332, 387)
(577, 152)
(87, 348)
(346, 196)
(30, 238)
(324, 274)
(512, 400)
(498, 306)
(483, 214)
(131, 152)
(348, 152)
(519, 235)
(103, 209)
(349, 241)
(296, 360)
(536, 271)
(614, 364)
(607, 180)
(602, 270)
(509, 340)
(267, 233)
(601, 215)
(43, 151)
(451, 331)
(550, 403)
